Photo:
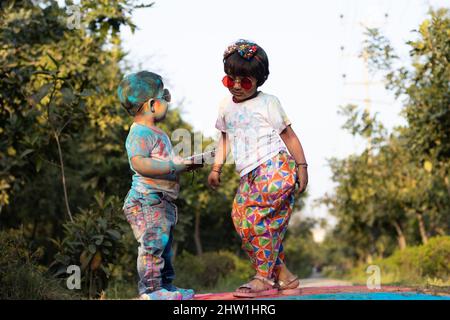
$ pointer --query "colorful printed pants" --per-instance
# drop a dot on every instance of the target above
(152, 218)
(261, 211)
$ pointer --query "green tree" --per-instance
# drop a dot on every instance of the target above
(59, 110)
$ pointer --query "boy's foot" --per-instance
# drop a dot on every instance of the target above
(258, 287)
(161, 294)
(187, 294)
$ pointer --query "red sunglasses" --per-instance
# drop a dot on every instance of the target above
(246, 83)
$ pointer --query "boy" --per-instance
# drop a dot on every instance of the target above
(149, 206)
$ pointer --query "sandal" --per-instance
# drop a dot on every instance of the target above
(290, 287)
(269, 289)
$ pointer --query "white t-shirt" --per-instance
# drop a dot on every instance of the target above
(253, 127)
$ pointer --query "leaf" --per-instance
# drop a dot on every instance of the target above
(107, 244)
(53, 59)
(68, 96)
(114, 234)
(85, 258)
(99, 240)
(102, 223)
(96, 261)
(11, 151)
(61, 270)
(92, 248)
(428, 166)
(40, 94)
(26, 152)
(87, 93)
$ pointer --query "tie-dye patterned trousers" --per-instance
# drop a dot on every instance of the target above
(152, 218)
(262, 209)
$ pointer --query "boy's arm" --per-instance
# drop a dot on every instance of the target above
(149, 167)
(295, 148)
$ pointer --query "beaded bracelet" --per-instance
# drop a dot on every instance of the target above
(214, 168)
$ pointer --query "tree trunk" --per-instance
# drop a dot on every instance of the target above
(422, 230)
(400, 236)
(197, 239)
(63, 176)
(447, 181)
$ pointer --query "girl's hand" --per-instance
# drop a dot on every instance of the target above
(302, 175)
(214, 179)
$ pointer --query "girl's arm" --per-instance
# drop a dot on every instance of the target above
(295, 148)
(222, 151)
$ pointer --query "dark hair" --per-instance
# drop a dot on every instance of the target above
(257, 66)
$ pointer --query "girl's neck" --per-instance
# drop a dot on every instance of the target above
(248, 98)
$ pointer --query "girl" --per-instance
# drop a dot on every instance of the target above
(255, 126)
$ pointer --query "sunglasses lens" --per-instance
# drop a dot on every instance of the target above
(246, 83)
(228, 82)
(166, 95)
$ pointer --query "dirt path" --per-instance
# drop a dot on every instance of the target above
(323, 282)
(317, 280)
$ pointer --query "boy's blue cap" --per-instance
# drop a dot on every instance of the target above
(137, 88)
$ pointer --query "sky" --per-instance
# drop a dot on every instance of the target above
(310, 45)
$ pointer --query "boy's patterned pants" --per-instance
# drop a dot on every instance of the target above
(152, 218)
(261, 211)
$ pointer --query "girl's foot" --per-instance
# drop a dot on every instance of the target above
(287, 282)
(257, 287)
(161, 294)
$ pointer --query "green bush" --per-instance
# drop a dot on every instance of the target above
(301, 255)
(212, 271)
(124, 277)
(21, 277)
(416, 265)
(92, 241)
(436, 258)
(241, 273)
(202, 271)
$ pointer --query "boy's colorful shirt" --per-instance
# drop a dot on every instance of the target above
(253, 128)
(151, 143)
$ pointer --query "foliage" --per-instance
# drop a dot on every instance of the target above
(62, 147)
(202, 271)
(20, 275)
(416, 265)
(92, 242)
(396, 192)
(302, 252)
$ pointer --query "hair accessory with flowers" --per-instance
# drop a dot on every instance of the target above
(246, 49)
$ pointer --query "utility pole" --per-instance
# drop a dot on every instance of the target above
(365, 81)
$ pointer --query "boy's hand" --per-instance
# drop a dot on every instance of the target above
(191, 166)
(302, 175)
(214, 180)
(183, 165)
